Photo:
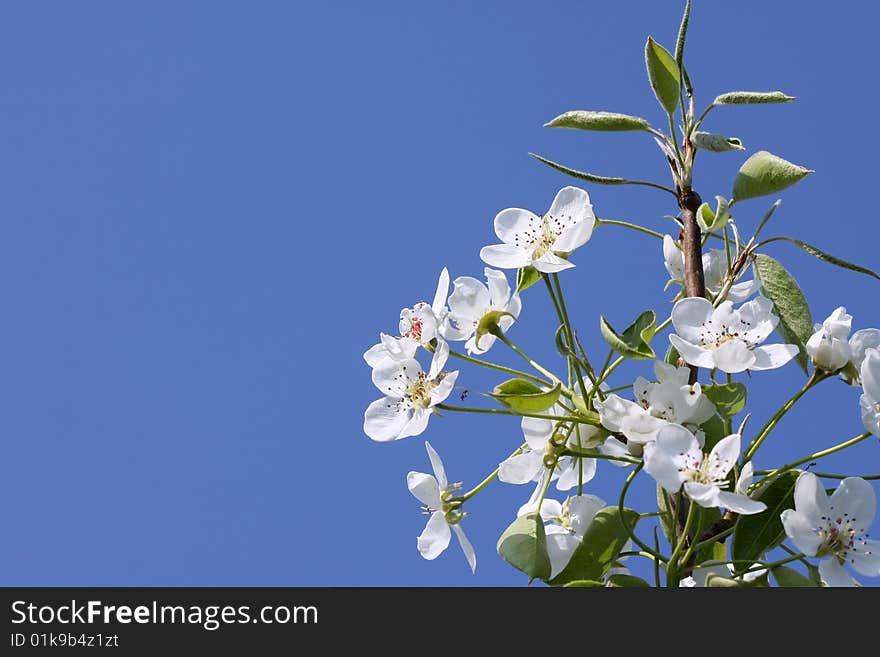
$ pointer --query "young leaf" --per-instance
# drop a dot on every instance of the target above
(714, 430)
(524, 546)
(599, 548)
(584, 584)
(627, 581)
(827, 257)
(524, 396)
(708, 141)
(758, 533)
(789, 577)
(583, 175)
(713, 221)
(634, 342)
(526, 277)
(752, 98)
(729, 398)
(605, 121)
(717, 581)
(663, 74)
(789, 304)
(764, 173)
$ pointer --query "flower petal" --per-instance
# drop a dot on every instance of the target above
(499, 288)
(870, 414)
(392, 377)
(866, 560)
(515, 222)
(505, 256)
(522, 468)
(771, 356)
(560, 548)
(703, 494)
(689, 317)
(801, 531)
(425, 489)
(441, 293)
(573, 236)
(574, 470)
(734, 356)
(663, 456)
(692, 354)
(570, 206)
(437, 465)
(741, 504)
(810, 498)
(444, 388)
(723, 456)
(673, 258)
(855, 500)
(537, 431)
(438, 361)
(833, 574)
(384, 419)
(582, 510)
(417, 423)
(550, 263)
(613, 447)
(466, 547)
(870, 373)
(741, 291)
(435, 537)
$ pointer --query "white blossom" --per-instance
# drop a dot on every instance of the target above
(471, 301)
(715, 268)
(542, 242)
(727, 339)
(828, 346)
(834, 527)
(870, 399)
(676, 458)
(435, 493)
(859, 343)
(410, 396)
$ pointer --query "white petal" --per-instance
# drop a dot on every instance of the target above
(442, 292)
(438, 361)
(384, 419)
(417, 423)
(734, 356)
(499, 288)
(466, 547)
(746, 475)
(435, 537)
(375, 355)
(771, 356)
(741, 504)
(867, 560)
(689, 315)
(522, 468)
(870, 414)
(800, 529)
(444, 388)
(662, 456)
(469, 300)
(425, 488)
(550, 508)
(505, 256)
(392, 377)
(673, 258)
(550, 263)
(810, 498)
(833, 574)
(486, 342)
(582, 510)
(860, 342)
(571, 205)
(870, 372)
(437, 465)
(537, 431)
(576, 470)
(614, 447)
(741, 291)
(692, 354)
(573, 237)
(854, 497)
(723, 456)
(560, 548)
(703, 494)
(513, 222)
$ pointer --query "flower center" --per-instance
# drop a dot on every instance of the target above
(701, 472)
(841, 537)
(415, 329)
(712, 339)
(418, 392)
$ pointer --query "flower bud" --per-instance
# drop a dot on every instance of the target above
(489, 324)
(828, 346)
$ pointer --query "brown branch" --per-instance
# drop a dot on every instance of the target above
(694, 282)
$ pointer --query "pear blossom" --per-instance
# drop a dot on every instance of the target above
(728, 339)
(529, 464)
(410, 396)
(418, 326)
(859, 343)
(670, 399)
(828, 346)
(834, 527)
(436, 494)
(702, 572)
(472, 301)
(714, 271)
(542, 242)
(870, 399)
(676, 458)
(568, 523)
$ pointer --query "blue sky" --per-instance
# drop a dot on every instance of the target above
(211, 209)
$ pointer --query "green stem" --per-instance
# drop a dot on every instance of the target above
(608, 370)
(500, 368)
(630, 530)
(626, 224)
(672, 569)
(773, 421)
(817, 455)
(717, 537)
(569, 336)
(581, 419)
(488, 480)
(839, 476)
(597, 455)
(663, 325)
(555, 379)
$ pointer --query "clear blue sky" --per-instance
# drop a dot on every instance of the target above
(210, 210)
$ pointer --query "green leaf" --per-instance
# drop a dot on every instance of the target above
(764, 173)
(627, 581)
(682, 34)
(752, 98)
(714, 143)
(634, 341)
(714, 430)
(826, 257)
(526, 277)
(524, 396)
(663, 74)
(756, 534)
(605, 121)
(672, 356)
(717, 581)
(589, 177)
(524, 546)
(584, 584)
(789, 577)
(729, 398)
(667, 519)
(789, 304)
(600, 546)
(713, 221)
